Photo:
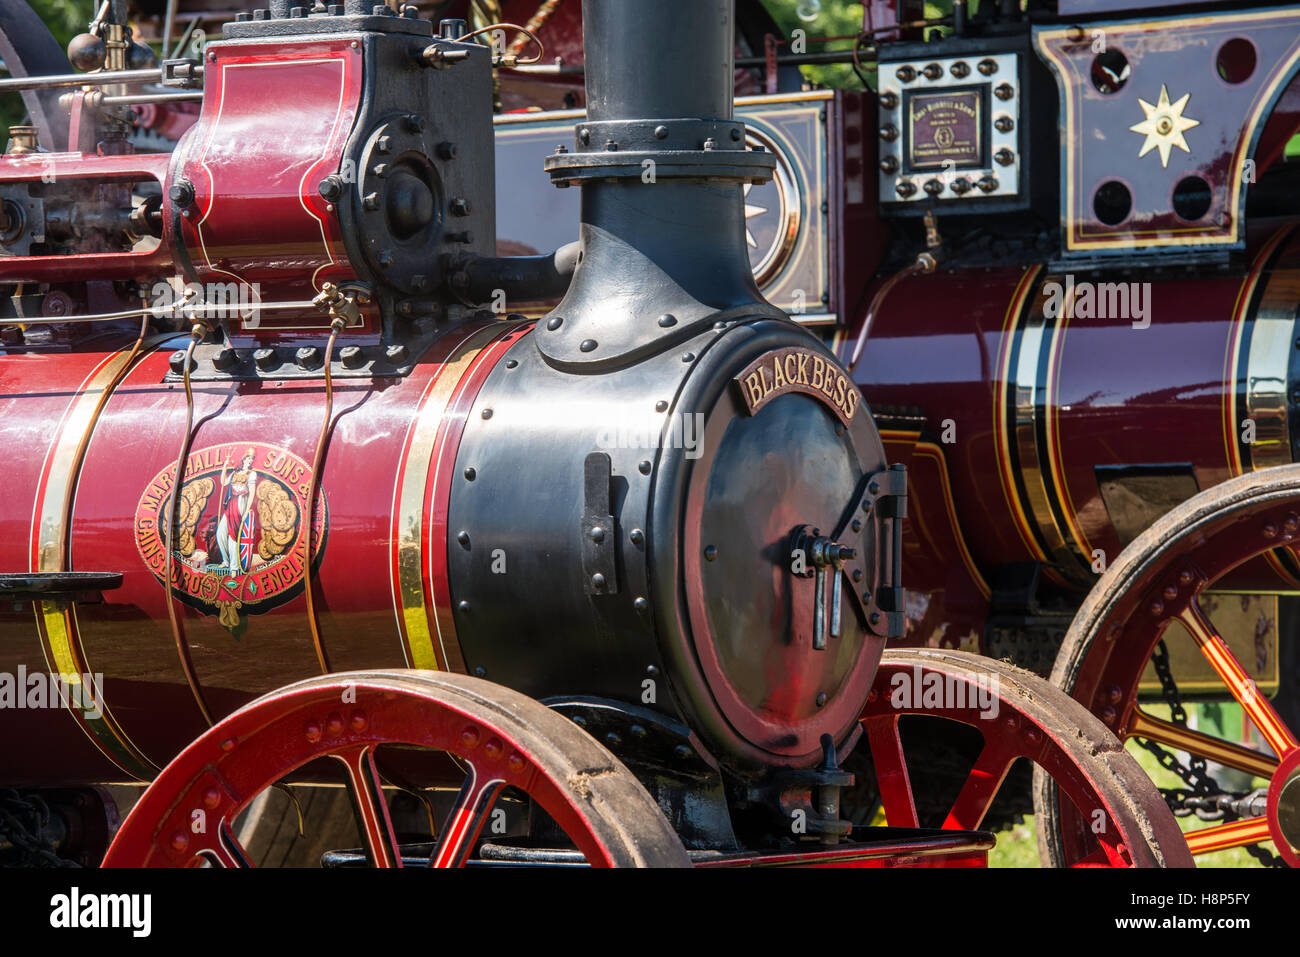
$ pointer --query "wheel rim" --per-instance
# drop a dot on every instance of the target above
(501, 738)
(1132, 826)
(1159, 580)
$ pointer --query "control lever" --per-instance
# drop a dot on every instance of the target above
(823, 557)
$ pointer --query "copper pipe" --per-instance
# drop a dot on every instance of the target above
(182, 647)
(158, 312)
(335, 328)
(925, 263)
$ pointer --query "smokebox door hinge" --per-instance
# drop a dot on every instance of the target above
(599, 570)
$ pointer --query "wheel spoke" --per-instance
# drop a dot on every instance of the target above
(1239, 683)
(1249, 830)
(1143, 725)
(891, 771)
(370, 806)
(981, 786)
(466, 820)
(1101, 857)
(226, 851)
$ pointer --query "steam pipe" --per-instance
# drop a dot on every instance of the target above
(521, 278)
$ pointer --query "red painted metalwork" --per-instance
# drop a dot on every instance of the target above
(1020, 716)
(133, 440)
(498, 737)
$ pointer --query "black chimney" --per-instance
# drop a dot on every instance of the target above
(662, 165)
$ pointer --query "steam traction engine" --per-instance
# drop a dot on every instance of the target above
(613, 585)
(1080, 220)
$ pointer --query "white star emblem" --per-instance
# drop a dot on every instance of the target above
(1164, 125)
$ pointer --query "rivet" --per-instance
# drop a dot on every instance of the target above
(228, 744)
(588, 345)
(1108, 715)
(637, 536)
(1033, 735)
(554, 322)
(710, 552)
(652, 670)
(486, 413)
(359, 720)
(641, 605)
(689, 357)
(661, 406)
(1157, 608)
(683, 752)
(480, 672)
(579, 720)
(462, 537)
(875, 617)
(211, 798)
(469, 738)
(180, 841)
(1270, 530)
(598, 581)
(463, 605)
(597, 534)
(857, 574)
(1171, 592)
(661, 132)
(470, 474)
(494, 748)
(637, 731)
(613, 739)
(643, 467)
(312, 731)
(516, 762)
(821, 699)
(512, 363)
(667, 320)
(866, 597)
(857, 524)
(334, 723)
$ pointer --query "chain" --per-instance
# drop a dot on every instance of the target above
(1205, 798)
(22, 824)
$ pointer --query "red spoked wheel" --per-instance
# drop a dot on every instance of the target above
(1158, 580)
(499, 738)
(1020, 716)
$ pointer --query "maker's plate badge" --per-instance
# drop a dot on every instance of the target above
(240, 539)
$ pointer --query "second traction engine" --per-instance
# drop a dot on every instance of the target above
(663, 509)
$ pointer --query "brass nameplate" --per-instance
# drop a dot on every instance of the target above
(797, 370)
(945, 127)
